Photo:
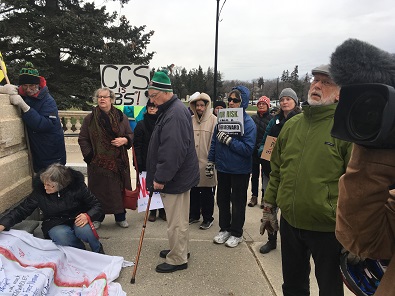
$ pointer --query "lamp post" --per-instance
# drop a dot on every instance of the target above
(216, 51)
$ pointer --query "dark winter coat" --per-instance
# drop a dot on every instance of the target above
(58, 208)
(107, 187)
(142, 136)
(261, 122)
(45, 132)
(172, 158)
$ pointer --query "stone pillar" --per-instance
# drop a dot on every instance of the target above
(15, 176)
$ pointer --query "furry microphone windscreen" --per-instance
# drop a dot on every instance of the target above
(357, 62)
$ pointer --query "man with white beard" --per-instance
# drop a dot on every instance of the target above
(306, 164)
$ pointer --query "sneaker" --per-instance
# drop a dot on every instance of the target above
(96, 224)
(233, 241)
(253, 201)
(206, 225)
(123, 224)
(193, 221)
(221, 237)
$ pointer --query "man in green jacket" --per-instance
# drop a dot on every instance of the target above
(306, 166)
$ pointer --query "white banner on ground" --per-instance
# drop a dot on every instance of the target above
(156, 200)
(34, 266)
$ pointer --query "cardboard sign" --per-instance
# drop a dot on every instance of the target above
(156, 200)
(268, 148)
(129, 82)
(231, 121)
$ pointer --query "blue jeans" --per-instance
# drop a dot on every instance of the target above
(66, 235)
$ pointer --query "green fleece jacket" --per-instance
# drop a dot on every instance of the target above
(306, 164)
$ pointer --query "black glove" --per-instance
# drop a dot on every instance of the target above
(210, 169)
(224, 138)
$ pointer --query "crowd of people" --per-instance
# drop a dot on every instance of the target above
(193, 162)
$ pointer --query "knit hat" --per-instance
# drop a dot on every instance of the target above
(265, 100)
(219, 103)
(149, 104)
(160, 81)
(29, 75)
(289, 92)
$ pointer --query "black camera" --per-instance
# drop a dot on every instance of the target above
(365, 115)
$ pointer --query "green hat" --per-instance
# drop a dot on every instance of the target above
(29, 75)
(160, 81)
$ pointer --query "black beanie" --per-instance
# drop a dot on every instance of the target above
(219, 103)
(29, 75)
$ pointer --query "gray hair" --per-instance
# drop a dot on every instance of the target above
(96, 93)
(57, 173)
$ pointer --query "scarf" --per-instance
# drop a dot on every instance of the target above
(104, 128)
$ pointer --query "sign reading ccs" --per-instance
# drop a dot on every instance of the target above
(129, 83)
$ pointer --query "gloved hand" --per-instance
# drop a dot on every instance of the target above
(9, 89)
(17, 100)
(210, 169)
(224, 138)
(269, 219)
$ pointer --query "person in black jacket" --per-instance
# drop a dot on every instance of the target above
(142, 136)
(67, 205)
(261, 119)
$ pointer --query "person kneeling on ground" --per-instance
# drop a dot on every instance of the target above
(67, 205)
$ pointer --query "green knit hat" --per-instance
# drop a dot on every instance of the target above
(160, 81)
(29, 75)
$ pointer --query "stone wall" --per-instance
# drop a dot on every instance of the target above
(15, 176)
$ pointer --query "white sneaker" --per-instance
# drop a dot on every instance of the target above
(233, 241)
(221, 237)
(123, 224)
(96, 224)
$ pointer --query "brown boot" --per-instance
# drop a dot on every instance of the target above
(253, 201)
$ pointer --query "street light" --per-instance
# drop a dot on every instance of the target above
(216, 47)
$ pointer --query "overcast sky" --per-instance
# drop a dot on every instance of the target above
(258, 38)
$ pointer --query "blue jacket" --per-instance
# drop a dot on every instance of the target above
(237, 157)
(45, 132)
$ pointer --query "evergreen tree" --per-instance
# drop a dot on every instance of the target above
(67, 40)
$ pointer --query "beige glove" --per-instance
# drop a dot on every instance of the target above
(269, 219)
(17, 100)
(9, 89)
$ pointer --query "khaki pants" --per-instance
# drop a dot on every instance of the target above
(177, 214)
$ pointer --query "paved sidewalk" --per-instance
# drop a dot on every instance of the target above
(212, 269)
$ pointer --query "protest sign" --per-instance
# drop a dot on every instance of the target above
(3, 72)
(156, 200)
(268, 148)
(129, 83)
(34, 266)
(231, 121)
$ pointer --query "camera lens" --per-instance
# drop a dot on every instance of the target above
(366, 115)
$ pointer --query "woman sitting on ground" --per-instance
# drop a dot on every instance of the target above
(67, 205)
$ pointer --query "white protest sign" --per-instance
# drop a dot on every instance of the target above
(129, 82)
(156, 200)
(231, 121)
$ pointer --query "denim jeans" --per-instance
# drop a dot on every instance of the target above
(66, 235)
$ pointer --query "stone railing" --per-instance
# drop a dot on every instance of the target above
(72, 121)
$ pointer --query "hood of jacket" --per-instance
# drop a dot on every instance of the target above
(245, 95)
(192, 105)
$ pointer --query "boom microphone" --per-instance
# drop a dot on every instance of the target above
(358, 62)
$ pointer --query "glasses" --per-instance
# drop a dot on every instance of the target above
(49, 185)
(323, 82)
(234, 100)
(103, 97)
(153, 96)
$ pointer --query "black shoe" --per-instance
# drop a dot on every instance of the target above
(206, 225)
(101, 250)
(166, 268)
(266, 248)
(163, 254)
(192, 221)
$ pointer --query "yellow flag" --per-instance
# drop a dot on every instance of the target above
(2, 75)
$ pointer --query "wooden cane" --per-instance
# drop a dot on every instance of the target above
(132, 281)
